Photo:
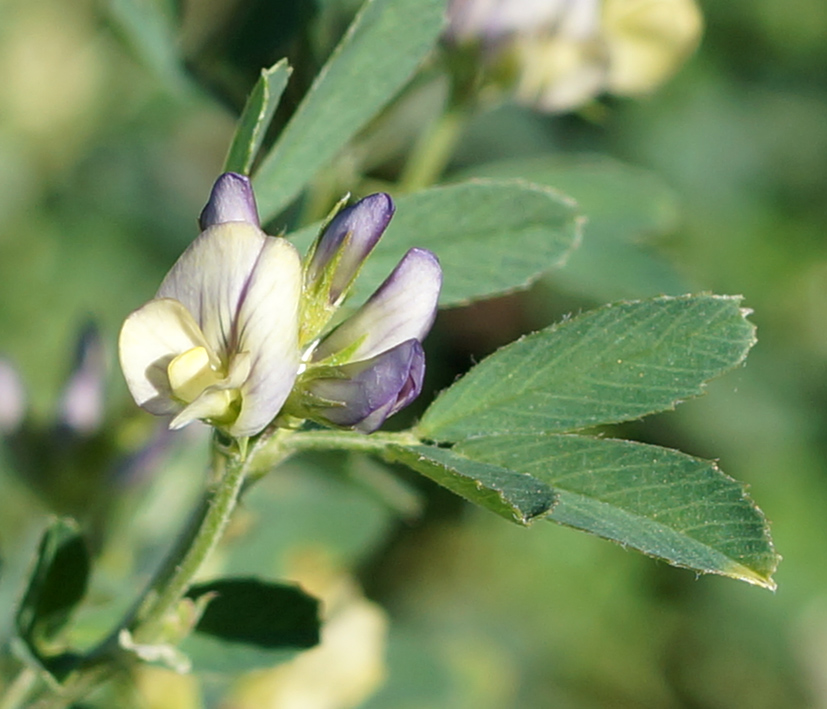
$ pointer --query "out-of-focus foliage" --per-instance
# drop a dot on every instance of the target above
(108, 145)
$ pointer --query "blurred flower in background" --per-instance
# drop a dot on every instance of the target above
(76, 462)
(348, 664)
(559, 54)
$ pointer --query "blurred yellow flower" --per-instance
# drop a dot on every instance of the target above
(562, 54)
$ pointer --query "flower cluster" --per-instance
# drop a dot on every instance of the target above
(240, 329)
(559, 54)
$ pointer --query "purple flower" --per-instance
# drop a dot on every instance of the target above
(372, 365)
(363, 394)
(346, 243)
(557, 55)
(402, 308)
(81, 406)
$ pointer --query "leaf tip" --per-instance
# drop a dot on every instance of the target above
(754, 577)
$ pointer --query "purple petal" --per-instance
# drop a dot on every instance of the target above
(362, 225)
(402, 308)
(81, 405)
(231, 200)
(372, 390)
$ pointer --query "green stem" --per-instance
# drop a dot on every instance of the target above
(347, 440)
(172, 580)
(17, 693)
(433, 150)
(203, 533)
(175, 578)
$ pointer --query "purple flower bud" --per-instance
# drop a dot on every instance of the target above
(81, 406)
(402, 308)
(370, 391)
(231, 200)
(12, 398)
(350, 237)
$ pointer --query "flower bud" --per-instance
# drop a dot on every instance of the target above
(402, 308)
(346, 242)
(372, 365)
(363, 394)
(231, 200)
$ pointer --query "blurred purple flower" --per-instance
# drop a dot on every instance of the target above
(81, 406)
(557, 55)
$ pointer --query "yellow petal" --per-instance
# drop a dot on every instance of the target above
(190, 373)
(648, 40)
(151, 337)
(217, 406)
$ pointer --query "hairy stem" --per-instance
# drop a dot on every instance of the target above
(173, 579)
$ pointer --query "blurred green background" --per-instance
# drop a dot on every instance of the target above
(113, 125)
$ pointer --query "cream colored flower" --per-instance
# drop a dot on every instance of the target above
(219, 342)
(563, 53)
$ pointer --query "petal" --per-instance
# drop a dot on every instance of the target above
(150, 338)
(402, 308)
(211, 277)
(81, 405)
(268, 329)
(211, 404)
(369, 392)
(362, 225)
(231, 200)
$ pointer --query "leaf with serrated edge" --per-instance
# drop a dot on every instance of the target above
(616, 363)
(384, 45)
(661, 502)
(515, 496)
(624, 205)
(256, 117)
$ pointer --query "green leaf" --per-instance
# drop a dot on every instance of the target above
(250, 623)
(616, 363)
(311, 497)
(515, 496)
(150, 30)
(260, 613)
(490, 237)
(256, 117)
(380, 51)
(57, 585)
(623, 205)
(659, 501)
